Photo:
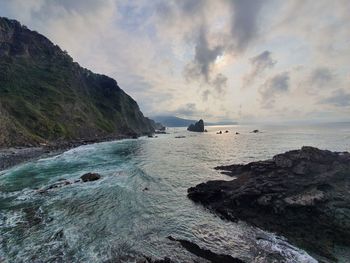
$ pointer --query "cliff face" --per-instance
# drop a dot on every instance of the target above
(45, 96)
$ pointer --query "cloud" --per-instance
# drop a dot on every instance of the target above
(220, 83)
(339, 98)
(259, 63)
(216, 29)
(189, 109)
(203, 59)
(274, 86)
(321, 77)
(244, 22)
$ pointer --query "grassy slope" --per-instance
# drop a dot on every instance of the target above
(45, 96)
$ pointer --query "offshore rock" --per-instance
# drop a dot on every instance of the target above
(301, 194)
(197, 127)
(88, 177)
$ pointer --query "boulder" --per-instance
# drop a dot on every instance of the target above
(197, 127)
(88, 177)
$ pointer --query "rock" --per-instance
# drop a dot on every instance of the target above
(255, 131)
(226, 131)
(219, 132)
(145, 189)
(160, 132)
(197, 127)
(205, 130)
(301, 194)
(205, 253)
(59, 184)
(179, 137)
(88, 177)
(237, 133)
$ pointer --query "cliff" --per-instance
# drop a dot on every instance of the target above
(46, 97)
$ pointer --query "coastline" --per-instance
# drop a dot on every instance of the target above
(12, 156)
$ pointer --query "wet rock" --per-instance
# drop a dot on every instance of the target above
(197, 127)
(60, 183)
(301, 194)
(205, 253)
(88, 177)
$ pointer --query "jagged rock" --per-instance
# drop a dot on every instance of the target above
(205, 253)
(301, 194)
(197, 127)
(88, 177)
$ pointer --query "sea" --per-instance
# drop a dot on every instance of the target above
(141, 198)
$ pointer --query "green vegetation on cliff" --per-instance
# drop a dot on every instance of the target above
(45, 96)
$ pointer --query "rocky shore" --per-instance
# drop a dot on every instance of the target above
(15, 155)
(301, 194)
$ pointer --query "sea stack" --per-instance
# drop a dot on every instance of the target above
(197, 127)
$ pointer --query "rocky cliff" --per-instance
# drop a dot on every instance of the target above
(46, 97)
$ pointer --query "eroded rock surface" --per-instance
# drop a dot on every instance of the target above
(301, 194)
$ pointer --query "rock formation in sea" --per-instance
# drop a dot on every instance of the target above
(301, 194)
(46, 97)
(197, 127)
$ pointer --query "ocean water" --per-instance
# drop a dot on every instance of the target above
(115, 219)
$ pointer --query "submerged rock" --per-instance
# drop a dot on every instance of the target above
(301, 194)
(205, 253)
(197, 127)
(88, 177)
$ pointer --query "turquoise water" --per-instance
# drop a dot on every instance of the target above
(115, 219)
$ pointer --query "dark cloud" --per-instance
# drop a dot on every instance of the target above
(259, 63)
(189, 109)
(276, 85)
(321, 77)
(339, 98)
(205, 95)
(219, 83)
(204, 58)
(244, 22)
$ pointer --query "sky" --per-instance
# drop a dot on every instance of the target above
(240, 60)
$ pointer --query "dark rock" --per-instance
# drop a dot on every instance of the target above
(205, 253)
(237, 133)
(197, 127)
(145, 189)
(160, 132)
(219, 132)
(255, 131)
(60, 183)
(226, 131)
(301, 194)
(90, 177)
